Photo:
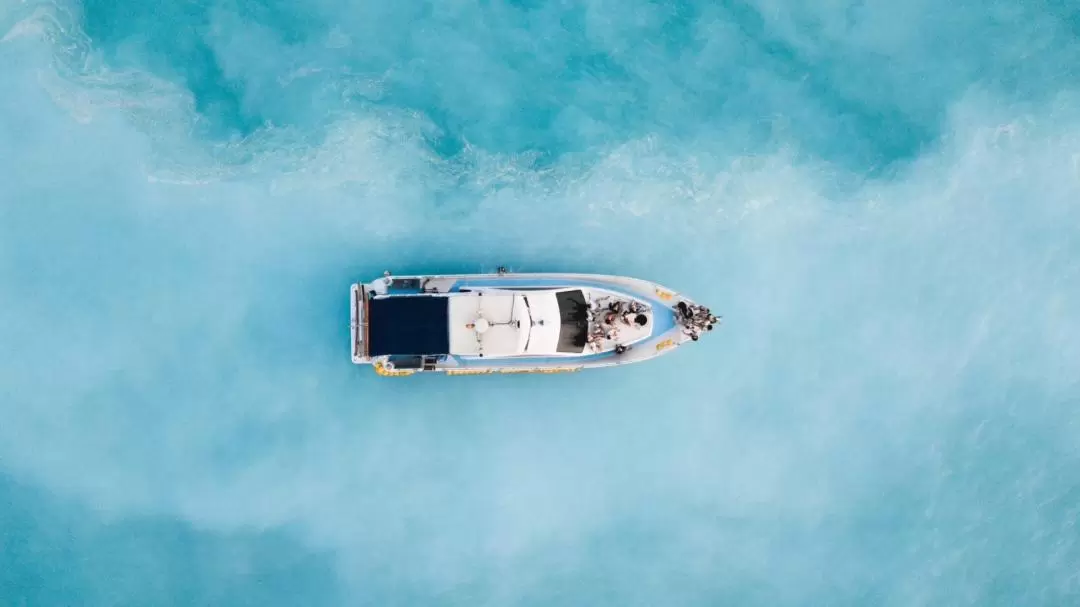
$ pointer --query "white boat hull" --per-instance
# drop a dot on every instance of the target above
(477, 324)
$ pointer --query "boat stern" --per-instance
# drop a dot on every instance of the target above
(358, 324)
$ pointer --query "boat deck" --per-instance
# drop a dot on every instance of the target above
(472, 324)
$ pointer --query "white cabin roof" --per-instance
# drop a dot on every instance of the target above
(501, 324)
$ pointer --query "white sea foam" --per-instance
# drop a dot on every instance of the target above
(897, 367)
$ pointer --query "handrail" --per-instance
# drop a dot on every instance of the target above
(365, 322)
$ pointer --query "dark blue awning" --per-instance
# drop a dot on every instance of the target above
(408, 324)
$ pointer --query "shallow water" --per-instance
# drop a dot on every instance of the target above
(881, 199)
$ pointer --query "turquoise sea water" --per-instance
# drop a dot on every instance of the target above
(881, 198)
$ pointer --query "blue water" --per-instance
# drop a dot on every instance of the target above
(882, 199)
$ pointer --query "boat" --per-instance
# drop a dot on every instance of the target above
(476, 324)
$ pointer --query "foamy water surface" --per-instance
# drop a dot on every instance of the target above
(881, 198)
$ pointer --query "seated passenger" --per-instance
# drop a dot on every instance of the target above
(684, 309)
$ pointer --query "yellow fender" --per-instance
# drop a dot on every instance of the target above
(383, 371)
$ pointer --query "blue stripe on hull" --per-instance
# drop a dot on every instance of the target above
(525, 362)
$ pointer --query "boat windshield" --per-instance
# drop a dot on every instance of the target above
(574, 318)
